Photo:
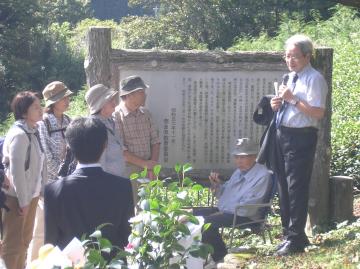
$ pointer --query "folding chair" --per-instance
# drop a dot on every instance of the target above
(259, 226)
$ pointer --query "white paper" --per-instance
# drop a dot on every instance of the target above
(75, 251)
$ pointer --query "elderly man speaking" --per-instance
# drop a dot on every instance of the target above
(250, 183)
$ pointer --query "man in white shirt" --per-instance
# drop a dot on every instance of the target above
(299, 106)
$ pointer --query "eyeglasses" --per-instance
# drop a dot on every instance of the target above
(292, 57)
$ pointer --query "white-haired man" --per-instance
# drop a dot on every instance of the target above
(299, 106)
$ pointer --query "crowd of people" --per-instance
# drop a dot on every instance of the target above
(95, 156)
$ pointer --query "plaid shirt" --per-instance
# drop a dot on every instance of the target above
(54, 144)
(137, 130)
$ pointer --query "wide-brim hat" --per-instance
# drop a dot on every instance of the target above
(245, 146)
(97, 96)
(132, 84)
(54, 92)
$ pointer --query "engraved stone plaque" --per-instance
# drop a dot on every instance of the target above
(201, 114)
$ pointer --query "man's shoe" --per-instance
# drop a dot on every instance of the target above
(289, 248)
(278, 247)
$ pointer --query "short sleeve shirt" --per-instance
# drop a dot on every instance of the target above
(138, 130)
(310, 87)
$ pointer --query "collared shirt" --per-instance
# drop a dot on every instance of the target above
(54, 144)
(310, 87)
(112, 160)
(137, 130)
(87, 165)
(250, 188)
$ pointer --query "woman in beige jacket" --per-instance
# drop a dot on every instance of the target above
(24, 160)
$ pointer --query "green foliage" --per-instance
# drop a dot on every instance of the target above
(158, 227)
(5, 125)
(97, 248)
(217, 23)
(345, 134)
(78, 106)
(60, 11)
(32, 52)
(162, 33)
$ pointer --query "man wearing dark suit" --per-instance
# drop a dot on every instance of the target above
(79, 203)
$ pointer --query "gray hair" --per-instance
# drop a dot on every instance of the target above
(303, 42)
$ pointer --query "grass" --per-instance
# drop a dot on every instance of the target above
(337, 248)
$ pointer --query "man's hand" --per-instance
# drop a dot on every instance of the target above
(214, 180)
(285, 93)
(275, 103)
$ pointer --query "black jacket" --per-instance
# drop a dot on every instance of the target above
(78, 204)
(268, 151)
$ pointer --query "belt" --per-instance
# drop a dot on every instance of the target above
(302, 130)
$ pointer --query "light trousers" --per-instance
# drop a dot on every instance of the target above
(18, 231)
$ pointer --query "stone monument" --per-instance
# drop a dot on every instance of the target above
(202, 101)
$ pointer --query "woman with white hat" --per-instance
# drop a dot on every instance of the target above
(102, 101)
(51, 129)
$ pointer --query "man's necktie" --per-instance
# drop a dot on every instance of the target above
(285, 104)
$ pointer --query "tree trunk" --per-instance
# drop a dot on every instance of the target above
(97, 62)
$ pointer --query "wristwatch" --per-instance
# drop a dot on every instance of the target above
(294, 101)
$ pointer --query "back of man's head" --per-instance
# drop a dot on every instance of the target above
(87, 138)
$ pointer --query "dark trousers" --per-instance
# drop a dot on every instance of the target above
(211, 235)
(296, 151)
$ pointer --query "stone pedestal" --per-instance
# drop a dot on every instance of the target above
(341, 198)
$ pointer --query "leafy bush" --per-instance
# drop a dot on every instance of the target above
(158, 227)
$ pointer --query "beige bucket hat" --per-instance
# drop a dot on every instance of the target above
(97, 96)
(54, 92)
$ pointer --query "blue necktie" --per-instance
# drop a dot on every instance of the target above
(283, 107)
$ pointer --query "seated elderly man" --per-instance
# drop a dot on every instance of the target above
(250, 183)
(79, 203)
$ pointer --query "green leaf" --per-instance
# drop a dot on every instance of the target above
(206, 226)
(173, 186)
(178, 247)
(174, 266)
(187, 181)
(95, 257)
(143, 173)
(197, 187)
(187, 167)
(134, 176)
(184, 229)
(154, 204)
(156, 170)
(177, 168)
(104, 243)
